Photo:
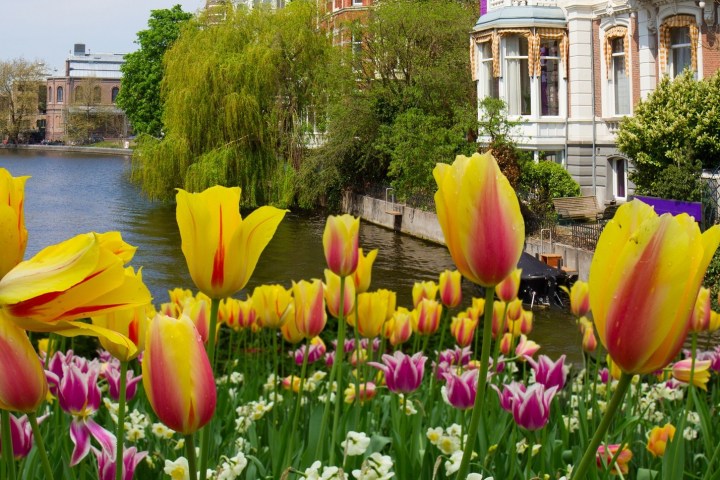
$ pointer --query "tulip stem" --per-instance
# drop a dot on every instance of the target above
(500, 333)
(591, 450)
(482, 381)
(121, 421)
(298, 402)
(191, 457)
(7, 446)
(339, 353)
(339, 350)
(40, 445)
(206, 432)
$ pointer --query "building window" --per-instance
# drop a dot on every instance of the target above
(549, 78)
(680, 56)
(59, 93)
(555, 156)
(487, 84)
(357, 3)
(620, 81)
(356, 40)
(517, 79)
(619, 178)
(114, 93)
(678, 45)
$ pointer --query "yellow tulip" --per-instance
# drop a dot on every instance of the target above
(23, 387)
(289, 329)
(391, 302)
(480, 218)
(220, 247)
(310, 315)
(340, 242)
(423, 290)
(370, 314)
(701, 374)
(700, 318)
(132, 323)
(77, 278)
(579, 295)
(333, 295)
(644, 280)
(270, 303)
(363, 272)
(177, 376)
(658, 439)
(13, 234)
(450, 284)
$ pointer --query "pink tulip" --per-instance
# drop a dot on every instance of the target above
(549, 373)
(22, 436)
(531, 410)
(106, 463)
(112, 376)
(508, 395)
(461, 389)
(403, 373)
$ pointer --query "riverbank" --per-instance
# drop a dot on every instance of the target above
(123, 152)
(425, 225)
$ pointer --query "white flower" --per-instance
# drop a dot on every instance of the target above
(178, 470)
(356, 443)
(452, 464)
(572, 423)
(434, 435)
(454, 430)
(690, 433)
(313, 471)
(375, 467)
(133, 433)
(236, 378)
(161, 431)
(535, 449)
(693, 417)
(521, 446)
(448, 445)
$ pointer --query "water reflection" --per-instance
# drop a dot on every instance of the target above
(72, 193)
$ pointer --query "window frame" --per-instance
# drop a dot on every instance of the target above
(519, 64)
(59, 94)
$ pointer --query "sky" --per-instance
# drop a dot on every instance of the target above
(46, 30)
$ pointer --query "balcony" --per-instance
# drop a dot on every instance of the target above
(497, 4)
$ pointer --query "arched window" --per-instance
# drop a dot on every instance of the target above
(114, 94)
(59, 93)
(617, 62)
(96, 94)
(678, 45)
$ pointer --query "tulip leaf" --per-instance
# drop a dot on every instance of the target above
(646, 474)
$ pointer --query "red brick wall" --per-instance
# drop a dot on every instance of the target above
(597, 54)
(710, 53)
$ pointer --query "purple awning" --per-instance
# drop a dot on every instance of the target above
(673, 207)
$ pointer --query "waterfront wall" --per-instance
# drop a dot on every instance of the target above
(425, 225)
(124, 152)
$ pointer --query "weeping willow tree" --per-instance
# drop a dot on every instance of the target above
(236, 93)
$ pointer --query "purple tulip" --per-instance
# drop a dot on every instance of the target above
(112, 376)
(548, 373)
(375, 344)
(78, 392)
(461, 389)
(403, 373)
(604, 375)
(531, 409)
(509, 394)
(449, 358)
(80, 432)
(106, 463)
(315, 353)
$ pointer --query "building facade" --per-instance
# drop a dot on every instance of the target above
(570, 71)
(88, 89)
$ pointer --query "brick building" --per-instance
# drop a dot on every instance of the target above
(89, 87)
(570, 71)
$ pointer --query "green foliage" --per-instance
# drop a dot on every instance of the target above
(404, 102)
(142, 71)
(547, 180)
(22, 90)
(235, 93)
(672, 135)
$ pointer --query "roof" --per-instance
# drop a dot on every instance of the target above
(522, 16)
(100, 65)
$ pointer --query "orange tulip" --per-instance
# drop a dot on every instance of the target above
(507, 290)
(480, 218)
(310, 316)
(644, 281)
(332, 295)
(177, 376)
(658, 439)
(23, 387)
(222, 249)
(450, 288)
(363, 272)
(340, 242)
(13, 234)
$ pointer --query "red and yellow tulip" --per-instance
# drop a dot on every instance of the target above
(132, 323)
(270, 303)
(579, 295)
(480, 218)
(340, 242)
(177, 376)
(700, 376)
(423, 290)
(426, 317)
(310, 315)
(332, 295)
(463, 328)
(289, 328)
(658, 439)
(507, 290)
(644, 281)
(400, 326)
(13, 234)
(450, 288)
(220, 247)
(700, 318)
(23, 387)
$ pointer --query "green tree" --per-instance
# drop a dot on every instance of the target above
(672, 135)
(140, 95)
(237, 89)
(20, 97)
(407, 101)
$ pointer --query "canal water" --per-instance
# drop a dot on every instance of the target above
(71, 193)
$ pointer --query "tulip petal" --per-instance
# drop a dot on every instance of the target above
(80, 436)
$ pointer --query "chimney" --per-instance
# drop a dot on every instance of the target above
(79, 49)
